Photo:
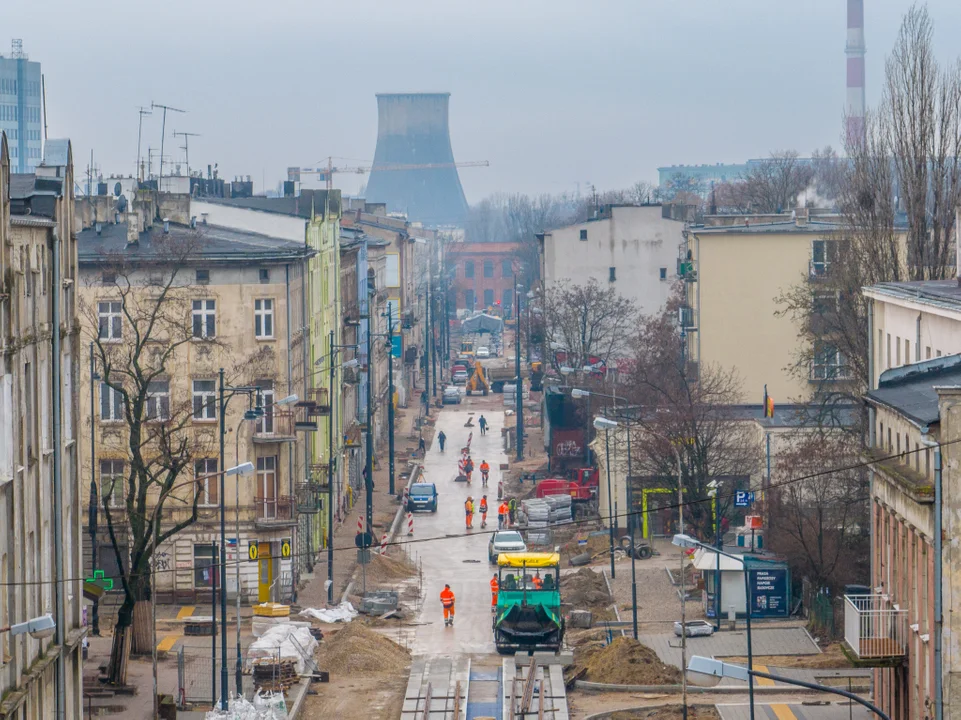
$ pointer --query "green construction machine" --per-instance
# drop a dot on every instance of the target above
(528, 612)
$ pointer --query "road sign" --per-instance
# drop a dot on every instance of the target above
(285, 548)
(770, 595)
(363, 540)
(742, 498)
(253, 551)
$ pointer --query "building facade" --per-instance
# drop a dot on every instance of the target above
(483, 276)
(244, 292)
(40, 495)
(632, 248)
(21, 109)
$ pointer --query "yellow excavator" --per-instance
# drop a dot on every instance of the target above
(478, 380)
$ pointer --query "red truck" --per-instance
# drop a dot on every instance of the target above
(582, 487)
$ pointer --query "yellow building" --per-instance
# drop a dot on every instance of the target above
(234, 301)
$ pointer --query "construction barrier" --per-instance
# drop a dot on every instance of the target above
(383, 545)
(410, 523)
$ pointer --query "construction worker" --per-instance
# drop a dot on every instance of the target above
(512, 510)
(468, 467)
(469, 509)
(502, 516)
(483, 511)
(447, 600)
(483, 425)
(538, 583)
(441, 438)
(494, 589)
(485, 471)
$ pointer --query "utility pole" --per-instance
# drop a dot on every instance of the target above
(163, 133)
(186, 146)
(519, 386)
(390, 389)
(369, 463)
(93, 512)
(330, 472)
(143, 111)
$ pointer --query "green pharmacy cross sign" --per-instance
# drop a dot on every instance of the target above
(99, 579)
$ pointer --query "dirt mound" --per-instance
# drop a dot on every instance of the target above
(669, 712)
(388, 568)
(625, 662)
(584, 589)
(357, 648)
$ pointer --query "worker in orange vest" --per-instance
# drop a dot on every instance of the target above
(485, 471)
(469, 510)
(538, 583)
(494, 588)
(483, 511)
(447, 600)
(502, 515)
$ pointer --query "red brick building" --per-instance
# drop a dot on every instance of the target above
(483, 275)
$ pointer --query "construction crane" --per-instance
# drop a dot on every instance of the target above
(327, 173)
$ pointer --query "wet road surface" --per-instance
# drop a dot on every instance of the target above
(446, 561)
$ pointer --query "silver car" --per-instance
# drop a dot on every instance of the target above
(695, 628)
(451, 395)
(505, 541)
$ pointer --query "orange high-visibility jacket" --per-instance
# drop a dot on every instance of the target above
(503, 509)
(447, 597)
(469, 507)
(485, 467)
(495, 586)
(483, 506)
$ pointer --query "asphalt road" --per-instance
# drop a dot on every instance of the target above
(458, 559)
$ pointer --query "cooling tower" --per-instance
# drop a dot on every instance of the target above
(413, 130)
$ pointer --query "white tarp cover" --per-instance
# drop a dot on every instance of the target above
(341, 613)
(266, 706)
(284, 641)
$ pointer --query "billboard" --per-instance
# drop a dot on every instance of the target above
(770, 594)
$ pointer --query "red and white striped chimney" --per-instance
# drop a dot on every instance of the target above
(854, 110)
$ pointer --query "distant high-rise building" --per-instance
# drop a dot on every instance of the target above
(20, 109)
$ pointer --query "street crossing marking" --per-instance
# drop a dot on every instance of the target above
(782, 712)
(185, 612)
(166, 645)
(764, 682)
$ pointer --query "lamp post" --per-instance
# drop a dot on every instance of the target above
(93, 513)
(606, 425)
(519, 385)
(39, 628)
(686, 541)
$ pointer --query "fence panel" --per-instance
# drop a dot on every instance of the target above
(195, 675)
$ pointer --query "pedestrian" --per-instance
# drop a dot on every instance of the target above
(495, 587)
(468, 467)
(422, 446)
(502, 515)
(485, 471)
(469, 510)
(447, 600)
(538, 583)
(512, 510)
(441, 438)
(483, 425)
(483, 511)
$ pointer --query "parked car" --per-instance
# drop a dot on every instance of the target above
(423, 496)
(483, 353)
(505, 541)
(451, 395)
(459, 377)
(695, 628)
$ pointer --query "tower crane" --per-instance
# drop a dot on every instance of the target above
(327, 173)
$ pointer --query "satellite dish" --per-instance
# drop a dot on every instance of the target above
(122, 203)
(117, 190)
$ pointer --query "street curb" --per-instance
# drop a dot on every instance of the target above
(610, 591)
(300, 699)
(607, 714)
(588, 686)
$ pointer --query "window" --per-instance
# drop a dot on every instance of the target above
(823, 253)
(112, 483)
(205, 318)
(824, 302)
(488, 298)
(267, 487)
(111, 403)
(206, 569)
(927, 352)
(203, 276)
(890, 446)
(898, 441)
(507, 299)
(917, 457)
(468, 268)
(507, 268)
(392, 270)
(907, 351)
(111, 320)
(488, 268)
(664, 273)
(208, 482)
(205, 399)
(881, 436)
(158, 400)
(108, 278)
(266, 423)
(583, 233)
(829, 364)
(264, 318)
(897, 352)
(469, 299)
(611, 274)
(939, 353)
(888, 349)
(264, 275)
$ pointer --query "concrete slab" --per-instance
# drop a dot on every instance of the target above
(794, 711)
(766, 641)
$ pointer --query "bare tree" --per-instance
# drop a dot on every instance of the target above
(773, 185)
(821, 523)
(138, 347)
(587, 321)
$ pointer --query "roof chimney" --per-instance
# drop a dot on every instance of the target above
(166, 226)
(99, 228)
(801, 216)
(193, 222)
(133, 228)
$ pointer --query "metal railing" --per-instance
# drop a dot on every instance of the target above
(275, 425)
(874, 628)
(274, 509)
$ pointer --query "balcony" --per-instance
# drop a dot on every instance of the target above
(352, 316)
(274, 512)
(275, 426)
(818, 270)
(310, 497)
(875, 631)
(317, 403)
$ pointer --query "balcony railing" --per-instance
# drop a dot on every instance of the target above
(317, 403)
(274, 511)
(874, 629)
(275, 426)
(310, 497)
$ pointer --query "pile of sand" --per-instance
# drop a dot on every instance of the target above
(584, 589)
(625, 662)
(669, 712)
(356, 648)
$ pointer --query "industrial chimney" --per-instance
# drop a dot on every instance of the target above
(854, 107)
(413, 130)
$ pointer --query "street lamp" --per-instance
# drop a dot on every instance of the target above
(606, 425)
(717, 668)
(686, 541)
(40, 628)
(519, 386)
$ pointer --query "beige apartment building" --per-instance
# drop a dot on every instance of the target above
(41, 500)
(734, 275)
(242, 293)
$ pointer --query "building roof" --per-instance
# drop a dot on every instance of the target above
(213, 243)
(34, 221)
(792, 416)
(56, 153)
(911, 390)
(938, 293)
(790, 226)
(299, 206)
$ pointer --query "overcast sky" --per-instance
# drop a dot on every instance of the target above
(552, 92)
